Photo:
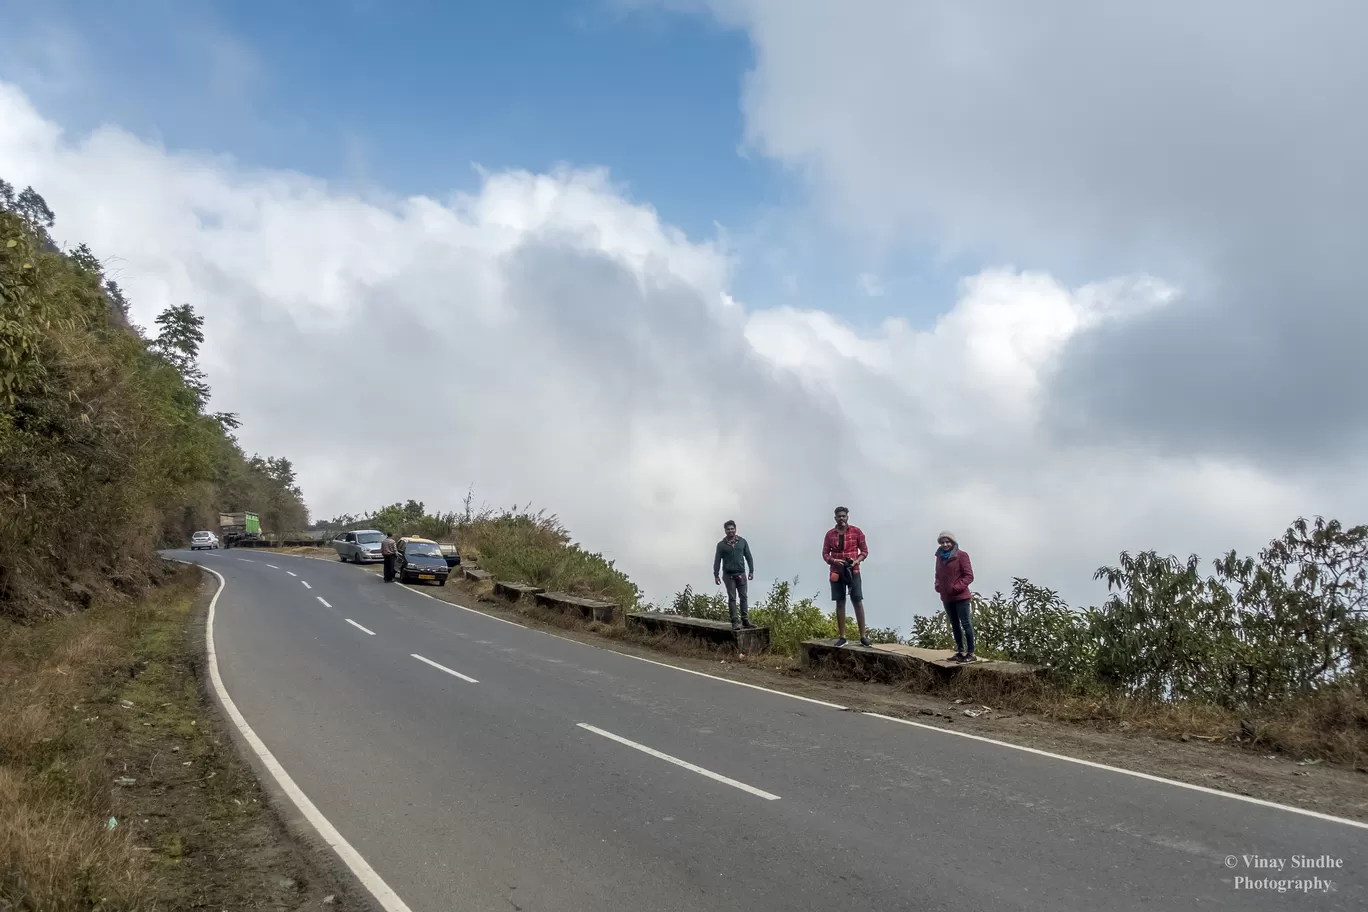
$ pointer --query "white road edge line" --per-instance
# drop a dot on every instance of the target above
(1329, 818)
(1125, 772)
(356, 625)
(323, 600)
(388, 899)
(628, 655)
(442, 667)
(306, 584)
(677, 762)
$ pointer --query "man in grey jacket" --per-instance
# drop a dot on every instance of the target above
(733, 564)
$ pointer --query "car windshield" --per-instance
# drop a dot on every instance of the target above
(201, 535)
(369, 538)
(422, 549)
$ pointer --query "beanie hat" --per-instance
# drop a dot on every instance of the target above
(949, 535)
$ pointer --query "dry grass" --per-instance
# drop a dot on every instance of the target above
(56, 852)
(92, 697)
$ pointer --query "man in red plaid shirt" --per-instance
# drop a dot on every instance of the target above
(843, 551)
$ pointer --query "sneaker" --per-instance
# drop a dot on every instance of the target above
(748, 625)
(864, 641)
(736, 628)
(841, 642)
(970, 657)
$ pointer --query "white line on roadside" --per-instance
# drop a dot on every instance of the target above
(444, 668)
(1125, 772)
(306, 584)
(363, 629)
(627, 655)
(273, 566)
(677, 762)
(292, 573)
(246, 560)
(388, 899)
(323, 600)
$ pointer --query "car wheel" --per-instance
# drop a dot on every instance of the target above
(342, 557)
(441, 582)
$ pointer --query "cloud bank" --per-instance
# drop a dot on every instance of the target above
(552, 341)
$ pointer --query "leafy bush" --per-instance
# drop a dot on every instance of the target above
(1282, 627)
(535, 548)
(790, 622)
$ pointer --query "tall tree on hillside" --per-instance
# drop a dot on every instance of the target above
(178, 342)
(30, 206)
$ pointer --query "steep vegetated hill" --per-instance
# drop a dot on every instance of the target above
(107, 447)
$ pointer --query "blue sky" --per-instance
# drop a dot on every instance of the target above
(410, 95)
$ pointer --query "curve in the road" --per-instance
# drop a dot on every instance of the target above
(507, 740)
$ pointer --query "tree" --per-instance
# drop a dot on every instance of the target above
(178, 344)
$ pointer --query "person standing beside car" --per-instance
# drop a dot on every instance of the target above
(732, 561)
(388, 552)
(954, 573)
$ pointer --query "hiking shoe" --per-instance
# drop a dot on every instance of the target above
(841, 641)
(736, 628)
(970, 657)
(748, 625)
(864, 641)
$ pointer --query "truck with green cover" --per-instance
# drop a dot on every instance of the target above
(237, 527)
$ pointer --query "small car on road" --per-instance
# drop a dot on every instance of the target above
(360, 546)
(203, 540)
(420, 560)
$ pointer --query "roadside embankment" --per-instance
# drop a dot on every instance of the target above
(119, 789)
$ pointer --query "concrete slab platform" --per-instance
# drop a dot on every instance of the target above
(717, 633)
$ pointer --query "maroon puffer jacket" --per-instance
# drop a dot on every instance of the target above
(953, 576)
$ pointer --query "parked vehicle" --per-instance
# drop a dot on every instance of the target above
(420, 560)
(203, 540)
(360, 546)
(451, 552)
(236, 527)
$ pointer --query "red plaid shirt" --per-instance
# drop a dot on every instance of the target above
(854, 546)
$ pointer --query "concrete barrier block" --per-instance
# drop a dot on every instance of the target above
(717, 633)
(515, 592)
(589, 609)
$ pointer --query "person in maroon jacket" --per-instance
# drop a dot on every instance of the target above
(954, 573)
(843, 550)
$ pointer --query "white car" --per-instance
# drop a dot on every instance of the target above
(361, 546)
(203, 540)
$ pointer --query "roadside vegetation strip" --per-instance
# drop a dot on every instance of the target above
(117, 788)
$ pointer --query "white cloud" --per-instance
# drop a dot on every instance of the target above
(1218, 144)
(553, 342)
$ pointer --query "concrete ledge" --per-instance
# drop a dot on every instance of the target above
(515, 592)
(475, 574)
(891, 661)
(718, 633)
(589, 609)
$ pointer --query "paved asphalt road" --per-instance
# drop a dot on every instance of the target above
(511, 791)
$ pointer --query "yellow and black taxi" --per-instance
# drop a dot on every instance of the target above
(420, 560)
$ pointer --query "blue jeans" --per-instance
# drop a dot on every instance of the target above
(960, 624)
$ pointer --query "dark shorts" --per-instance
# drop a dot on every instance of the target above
(849, 582)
